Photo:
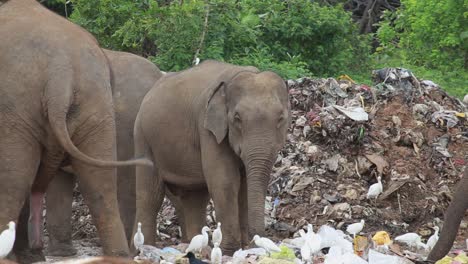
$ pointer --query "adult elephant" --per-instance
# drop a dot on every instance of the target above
(56, 105)
(453, 217)
(132, 77)
(214, 129)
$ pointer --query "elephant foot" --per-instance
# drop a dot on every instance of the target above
(61, 250)
(27, 256)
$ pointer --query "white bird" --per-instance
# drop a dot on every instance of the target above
(198, 242)
(7, 239)
(265, 243)
(138, 238)
(411, 239)
(216, 254)
(433, 239)
(217, 236)
(375, 189)
(306, 254)
(355, 228)
(196, 61)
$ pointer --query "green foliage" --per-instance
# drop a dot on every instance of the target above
(430, 33)
(293, 38)
(293, 68)
(429, 37)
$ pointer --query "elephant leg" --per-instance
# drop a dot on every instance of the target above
(59, 201)
(51, 160)
(149, 190)
(194, 204)
(21, 249)
(99, 189)
(453, 217)
(177, 203)
(243, 215)
(19, 162)
(126, 197)
(221, 170)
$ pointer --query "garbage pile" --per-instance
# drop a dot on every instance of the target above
(343, 136)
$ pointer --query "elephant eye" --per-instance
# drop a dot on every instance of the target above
(280, 119)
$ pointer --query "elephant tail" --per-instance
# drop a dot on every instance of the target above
(59, 97)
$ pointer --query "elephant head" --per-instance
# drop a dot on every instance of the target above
(251, 110)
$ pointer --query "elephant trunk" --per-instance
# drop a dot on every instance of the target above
(258, 161)
(453, 218)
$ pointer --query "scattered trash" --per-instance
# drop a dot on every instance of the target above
(343, 136)
(355, 113)
(382, 238)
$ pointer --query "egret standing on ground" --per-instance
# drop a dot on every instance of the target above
(433, 239)
(265, 243)
(198, 242)
(217, 236)
(138, 238)
(411, 239)
(7, 239)
(216, 254)
(355, 228)
(375, 189)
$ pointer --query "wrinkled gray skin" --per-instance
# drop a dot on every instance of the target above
(55, 108)
(453, 217)
(133, 76)
(212, 130)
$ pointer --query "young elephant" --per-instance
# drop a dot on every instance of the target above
(214, 129)
(56, 102)
(453, 217)
(133, 76)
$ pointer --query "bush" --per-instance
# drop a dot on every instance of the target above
(294, 38)
(429, 37)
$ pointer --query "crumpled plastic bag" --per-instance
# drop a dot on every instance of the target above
(379, 258)
(360, 243)
(356, 113)
(462, 258)
(267, 260)
(445, 260)
(448, 118)
(285, 254)
(459, 259)
(382, 238)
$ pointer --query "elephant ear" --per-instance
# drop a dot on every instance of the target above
(216, 113)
